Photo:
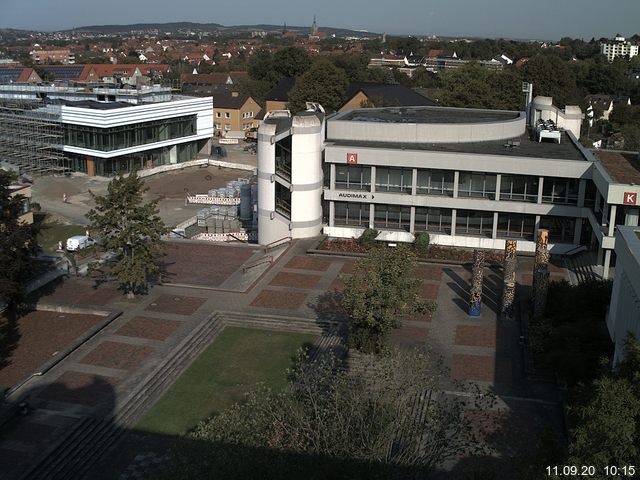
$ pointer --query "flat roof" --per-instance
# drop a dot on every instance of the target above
(421, 114)
(528, 148)
(622, 167)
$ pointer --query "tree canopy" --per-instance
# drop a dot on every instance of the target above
(323, 83)
(18, 246)
(130, 229)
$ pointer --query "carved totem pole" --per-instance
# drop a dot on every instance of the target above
(475, 297)
(509, 287)
(541, 274)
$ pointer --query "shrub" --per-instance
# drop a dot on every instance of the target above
(421, 243)
(368, 237)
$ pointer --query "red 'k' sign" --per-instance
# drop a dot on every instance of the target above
(630, 198)
(352, 158)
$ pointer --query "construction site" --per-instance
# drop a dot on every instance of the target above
(31, 136)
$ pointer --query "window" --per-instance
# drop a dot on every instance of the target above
(355, 214)
(394, 179)
(473, 184)
(515, 225)
(352, 177)
(227, 115)
(434, 182)
(560, 190)
(394, 217)
(472, 222)
(218, 126)
(519, 188)
(435, 220)
(218, 115)
(561, 229)
(283, 200)
(283, 158)
(227, 127)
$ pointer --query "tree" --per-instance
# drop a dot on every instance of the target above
(323, 83)
(130, 229)
(382, 288)
(552, 77)
(388, 419)
(18, 246)
(291, 62)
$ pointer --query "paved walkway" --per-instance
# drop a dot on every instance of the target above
(99, 378)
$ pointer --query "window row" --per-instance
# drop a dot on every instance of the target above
(470, 184)
(439, 220)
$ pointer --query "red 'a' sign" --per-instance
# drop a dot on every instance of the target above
(630, 198)
(352, 158)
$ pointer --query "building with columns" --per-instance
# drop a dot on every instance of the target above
(471, 178)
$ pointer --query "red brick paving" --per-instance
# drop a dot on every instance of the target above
(409, 335)
(481, 368)
(279, 299)
(308, 263)
(202, 264)
(526, 279)
(295, 280)
(431, 272)
(338, 284)
(477, 336)
(117, 355)
(40, 335)
(176, 304)
(74, 291)
(349, 266)
(82, 388)
(430, 291)
(145, 327)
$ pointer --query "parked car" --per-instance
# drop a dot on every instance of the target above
(78, 242)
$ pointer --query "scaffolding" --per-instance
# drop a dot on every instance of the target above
(31, 136)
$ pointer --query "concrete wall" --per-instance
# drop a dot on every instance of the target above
(570, 118)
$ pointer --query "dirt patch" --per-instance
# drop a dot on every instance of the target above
(193, 180)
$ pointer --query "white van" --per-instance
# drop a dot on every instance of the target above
(78, 242)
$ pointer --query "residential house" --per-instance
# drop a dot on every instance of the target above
(603, 104)
(361, 94)
(206, 84)
(233, 112)
(278, 97)
(18, 74)
(26, 214)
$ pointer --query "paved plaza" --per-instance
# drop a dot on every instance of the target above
(102, 376)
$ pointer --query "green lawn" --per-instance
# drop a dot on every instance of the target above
(52, 233)
(230, 367)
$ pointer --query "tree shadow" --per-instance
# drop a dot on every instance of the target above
(9, 337)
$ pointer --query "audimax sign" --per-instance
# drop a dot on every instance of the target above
(361, 196)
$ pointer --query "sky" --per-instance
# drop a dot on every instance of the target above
(524, 19)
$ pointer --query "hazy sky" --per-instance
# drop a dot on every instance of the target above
(535, 19)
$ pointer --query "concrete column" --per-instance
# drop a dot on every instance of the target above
(494, 232)
(612, 220)
(332, 213)
(373, 178)
(332, 178)
(631, 216)
(582, 188)
(456, 180)
(372, 212)
(605, 214)
(414, 186)
(536, 227)
(498, 181)
(540, 187)
(597, 201)
(577, 231)
(412, 222)
(607, 263)
(453, 222)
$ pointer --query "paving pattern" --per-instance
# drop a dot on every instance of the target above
(106, 378)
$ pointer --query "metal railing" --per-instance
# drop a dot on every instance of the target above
(260, 261)
(277, 243)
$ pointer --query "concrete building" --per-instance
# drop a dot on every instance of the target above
(101, 131)
(471, 178)
(618, 47)
(624, 309)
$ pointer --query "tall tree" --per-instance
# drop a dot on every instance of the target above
(382, 288)
(324, 83)
(552, 77)
(18, 246)
(131, 229)
(291, 61)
